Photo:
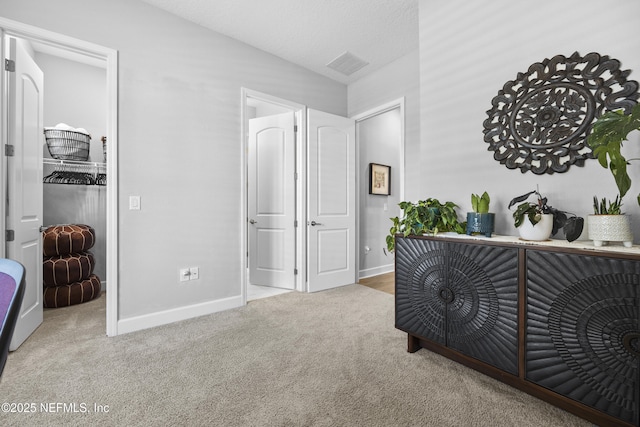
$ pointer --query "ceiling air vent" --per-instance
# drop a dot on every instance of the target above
(347, 63)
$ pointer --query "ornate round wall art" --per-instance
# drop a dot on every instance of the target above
(539, 121)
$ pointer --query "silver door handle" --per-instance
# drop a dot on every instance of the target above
(313, 223)
(253, 221)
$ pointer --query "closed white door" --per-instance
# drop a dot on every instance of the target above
(272, 201)
(24, 182)
(331, 226)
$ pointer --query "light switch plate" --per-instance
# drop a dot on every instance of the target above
(134, 203)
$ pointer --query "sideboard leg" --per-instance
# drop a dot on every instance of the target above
(413, 344)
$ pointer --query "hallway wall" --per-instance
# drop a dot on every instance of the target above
(379, 141)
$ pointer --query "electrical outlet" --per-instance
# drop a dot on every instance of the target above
(185, 274)
(194, 273)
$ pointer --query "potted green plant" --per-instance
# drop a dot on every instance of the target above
(605, 139)
(424, 216)
(608, 223)
(480, 220)
(538, 220)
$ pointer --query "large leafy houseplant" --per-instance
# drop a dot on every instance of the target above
(425, 216)
(605, 139)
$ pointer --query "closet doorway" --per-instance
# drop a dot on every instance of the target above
(56, 48)
(380, 136)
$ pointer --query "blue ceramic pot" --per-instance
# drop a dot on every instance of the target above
(482, 223)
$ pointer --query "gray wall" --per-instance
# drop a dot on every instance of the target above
(468, 52)
(179, 140)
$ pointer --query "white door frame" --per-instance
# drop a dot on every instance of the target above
(392, 105)
(301, 183)
(77, 47)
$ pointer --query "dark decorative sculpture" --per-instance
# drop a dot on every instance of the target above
(539, 122)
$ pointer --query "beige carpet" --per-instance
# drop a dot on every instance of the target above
(326, 359)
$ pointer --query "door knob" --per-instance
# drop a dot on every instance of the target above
(253, 221)
(313, 223)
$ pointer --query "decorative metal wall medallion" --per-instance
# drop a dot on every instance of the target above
(539, 122)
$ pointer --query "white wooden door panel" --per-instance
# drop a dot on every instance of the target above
(24, 183)
(272, 201)
(331, 201)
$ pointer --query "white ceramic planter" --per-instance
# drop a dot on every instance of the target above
(610, 228)
(539, 232)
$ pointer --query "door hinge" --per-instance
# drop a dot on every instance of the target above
(295, 128)
(295, 223)
(295, 271)
(9, 150)
(10, 236)
(10, 65)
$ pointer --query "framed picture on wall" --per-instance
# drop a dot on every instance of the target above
(379, 179)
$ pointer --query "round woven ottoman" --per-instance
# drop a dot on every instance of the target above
(64, 269)
(73, 293)
(67, 239)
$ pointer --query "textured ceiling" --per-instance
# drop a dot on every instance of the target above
(311, 33)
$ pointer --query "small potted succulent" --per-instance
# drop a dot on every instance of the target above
(480, 220)
(608, 223)
(538, 221)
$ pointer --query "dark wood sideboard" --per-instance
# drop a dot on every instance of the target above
(556, 320)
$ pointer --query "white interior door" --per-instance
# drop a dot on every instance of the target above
(272, 201)
(331, 226)
(24, 182)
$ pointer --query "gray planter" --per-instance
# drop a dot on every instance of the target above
(610, 228)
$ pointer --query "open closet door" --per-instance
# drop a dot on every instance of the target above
(24, 182)
(332, 201)
(272, 201)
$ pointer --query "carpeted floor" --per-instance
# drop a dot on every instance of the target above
(326, 359)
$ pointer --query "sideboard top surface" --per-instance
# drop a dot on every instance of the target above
(616, 249)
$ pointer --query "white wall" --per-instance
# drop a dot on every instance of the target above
(468, 50)
(179, 135)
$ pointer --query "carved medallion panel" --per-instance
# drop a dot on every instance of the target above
(539, 121)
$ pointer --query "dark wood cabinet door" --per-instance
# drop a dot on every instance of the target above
(583, 330)
(482, 314)
(464, 296)
(420, 275)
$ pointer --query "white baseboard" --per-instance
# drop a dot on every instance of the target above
(151, 320)
(376, 271)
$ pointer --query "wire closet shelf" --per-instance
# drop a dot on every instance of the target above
(75, 172)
